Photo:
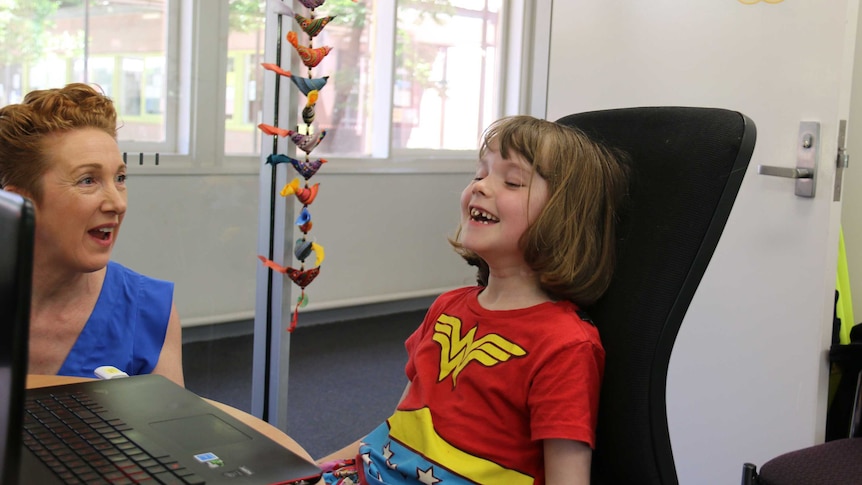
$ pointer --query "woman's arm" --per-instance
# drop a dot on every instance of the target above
(567, 462)
(170, 362)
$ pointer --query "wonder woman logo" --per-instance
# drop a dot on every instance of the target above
(456, 351)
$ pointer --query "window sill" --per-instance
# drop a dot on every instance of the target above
(184, 165)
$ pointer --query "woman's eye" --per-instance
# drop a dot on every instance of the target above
(121, 178)
(87, 181)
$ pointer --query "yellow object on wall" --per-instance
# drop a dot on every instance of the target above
(844, 305)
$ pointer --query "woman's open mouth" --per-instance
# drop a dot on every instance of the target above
(103, 233)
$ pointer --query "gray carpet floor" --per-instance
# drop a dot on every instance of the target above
(345, 378)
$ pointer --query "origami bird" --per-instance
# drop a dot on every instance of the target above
(312, 27)
(312, 4)
(306, 168)
(302, 278)
(305, 85)
(304, 248)
(304, 217)
(310, 56)
(283, 9)
(305, 195)
(306, 143)
(308, 111)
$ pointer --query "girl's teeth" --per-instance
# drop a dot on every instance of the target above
(482, 216)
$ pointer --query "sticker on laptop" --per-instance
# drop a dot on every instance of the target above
(210, 459)
(242, 471)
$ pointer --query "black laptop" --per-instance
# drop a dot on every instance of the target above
(128, 430)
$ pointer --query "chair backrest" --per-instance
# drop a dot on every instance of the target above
(687, 167)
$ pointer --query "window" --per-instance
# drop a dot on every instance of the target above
(244, 80)
(436, 75)
(121, 45)
(404, 77)
(444, 60)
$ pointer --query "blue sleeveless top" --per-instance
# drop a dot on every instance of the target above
(127, 327)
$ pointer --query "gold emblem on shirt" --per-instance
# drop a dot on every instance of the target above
(456, 351)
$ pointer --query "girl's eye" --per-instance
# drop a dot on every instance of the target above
(514, 184)
(481, 172)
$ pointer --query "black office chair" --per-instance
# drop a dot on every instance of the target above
(687, 167)
(837, 462)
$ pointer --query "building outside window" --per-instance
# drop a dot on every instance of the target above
(438, 87)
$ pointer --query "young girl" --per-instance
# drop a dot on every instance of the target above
(504, 376)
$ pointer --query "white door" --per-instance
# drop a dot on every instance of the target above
(747, 378)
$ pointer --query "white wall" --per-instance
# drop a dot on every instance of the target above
(747, 377)
(851, 220)
(384, 236)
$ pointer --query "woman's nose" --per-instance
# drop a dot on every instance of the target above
(115, 200)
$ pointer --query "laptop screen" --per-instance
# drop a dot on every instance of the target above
(17, 224)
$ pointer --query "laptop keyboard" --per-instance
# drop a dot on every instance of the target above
(67, 433)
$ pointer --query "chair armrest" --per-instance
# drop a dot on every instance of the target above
(847, 355)
(846, 410)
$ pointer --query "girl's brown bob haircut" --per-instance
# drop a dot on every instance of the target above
(571, 245)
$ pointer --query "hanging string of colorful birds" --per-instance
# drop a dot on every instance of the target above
(306, 140)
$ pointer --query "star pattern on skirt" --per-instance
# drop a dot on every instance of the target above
(388, 454)
(427, 476)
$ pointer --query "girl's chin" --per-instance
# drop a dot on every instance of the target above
(473, 247)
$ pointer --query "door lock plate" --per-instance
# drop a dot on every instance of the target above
(807, 155)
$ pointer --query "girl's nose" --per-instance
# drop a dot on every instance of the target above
(480, 187)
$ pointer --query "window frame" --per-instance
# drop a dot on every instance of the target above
(196, 53)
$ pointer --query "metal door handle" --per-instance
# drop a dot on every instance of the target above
(787, 172)
(807, 149)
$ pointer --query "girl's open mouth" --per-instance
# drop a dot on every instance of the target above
(482, 216)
